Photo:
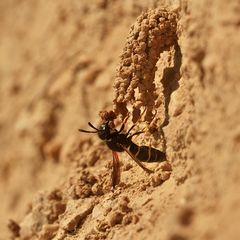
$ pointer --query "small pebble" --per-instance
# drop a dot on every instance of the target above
(115, 218)
(97, 189)
(156, 180)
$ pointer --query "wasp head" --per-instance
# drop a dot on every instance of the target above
(104, 131)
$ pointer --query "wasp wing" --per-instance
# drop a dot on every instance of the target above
(137, 161)
(115, 169)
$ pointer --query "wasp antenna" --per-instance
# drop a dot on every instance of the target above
(92, 126)
(82, 130)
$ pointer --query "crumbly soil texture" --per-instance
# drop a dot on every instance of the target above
(169, 67)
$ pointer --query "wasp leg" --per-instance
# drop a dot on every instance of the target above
(115, 170)
(136, 133)
(130, 129)
(122, 127)
(126, 118)
(123, 124)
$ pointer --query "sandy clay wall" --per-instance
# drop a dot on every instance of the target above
(171, 66)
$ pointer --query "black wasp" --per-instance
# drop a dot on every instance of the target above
(118, 141)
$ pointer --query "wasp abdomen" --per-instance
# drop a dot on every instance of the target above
(146, 154)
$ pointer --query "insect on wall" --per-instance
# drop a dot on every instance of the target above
(120, 141)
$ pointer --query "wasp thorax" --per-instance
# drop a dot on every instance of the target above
(104, 131)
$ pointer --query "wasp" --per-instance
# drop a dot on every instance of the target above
(118, 141)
